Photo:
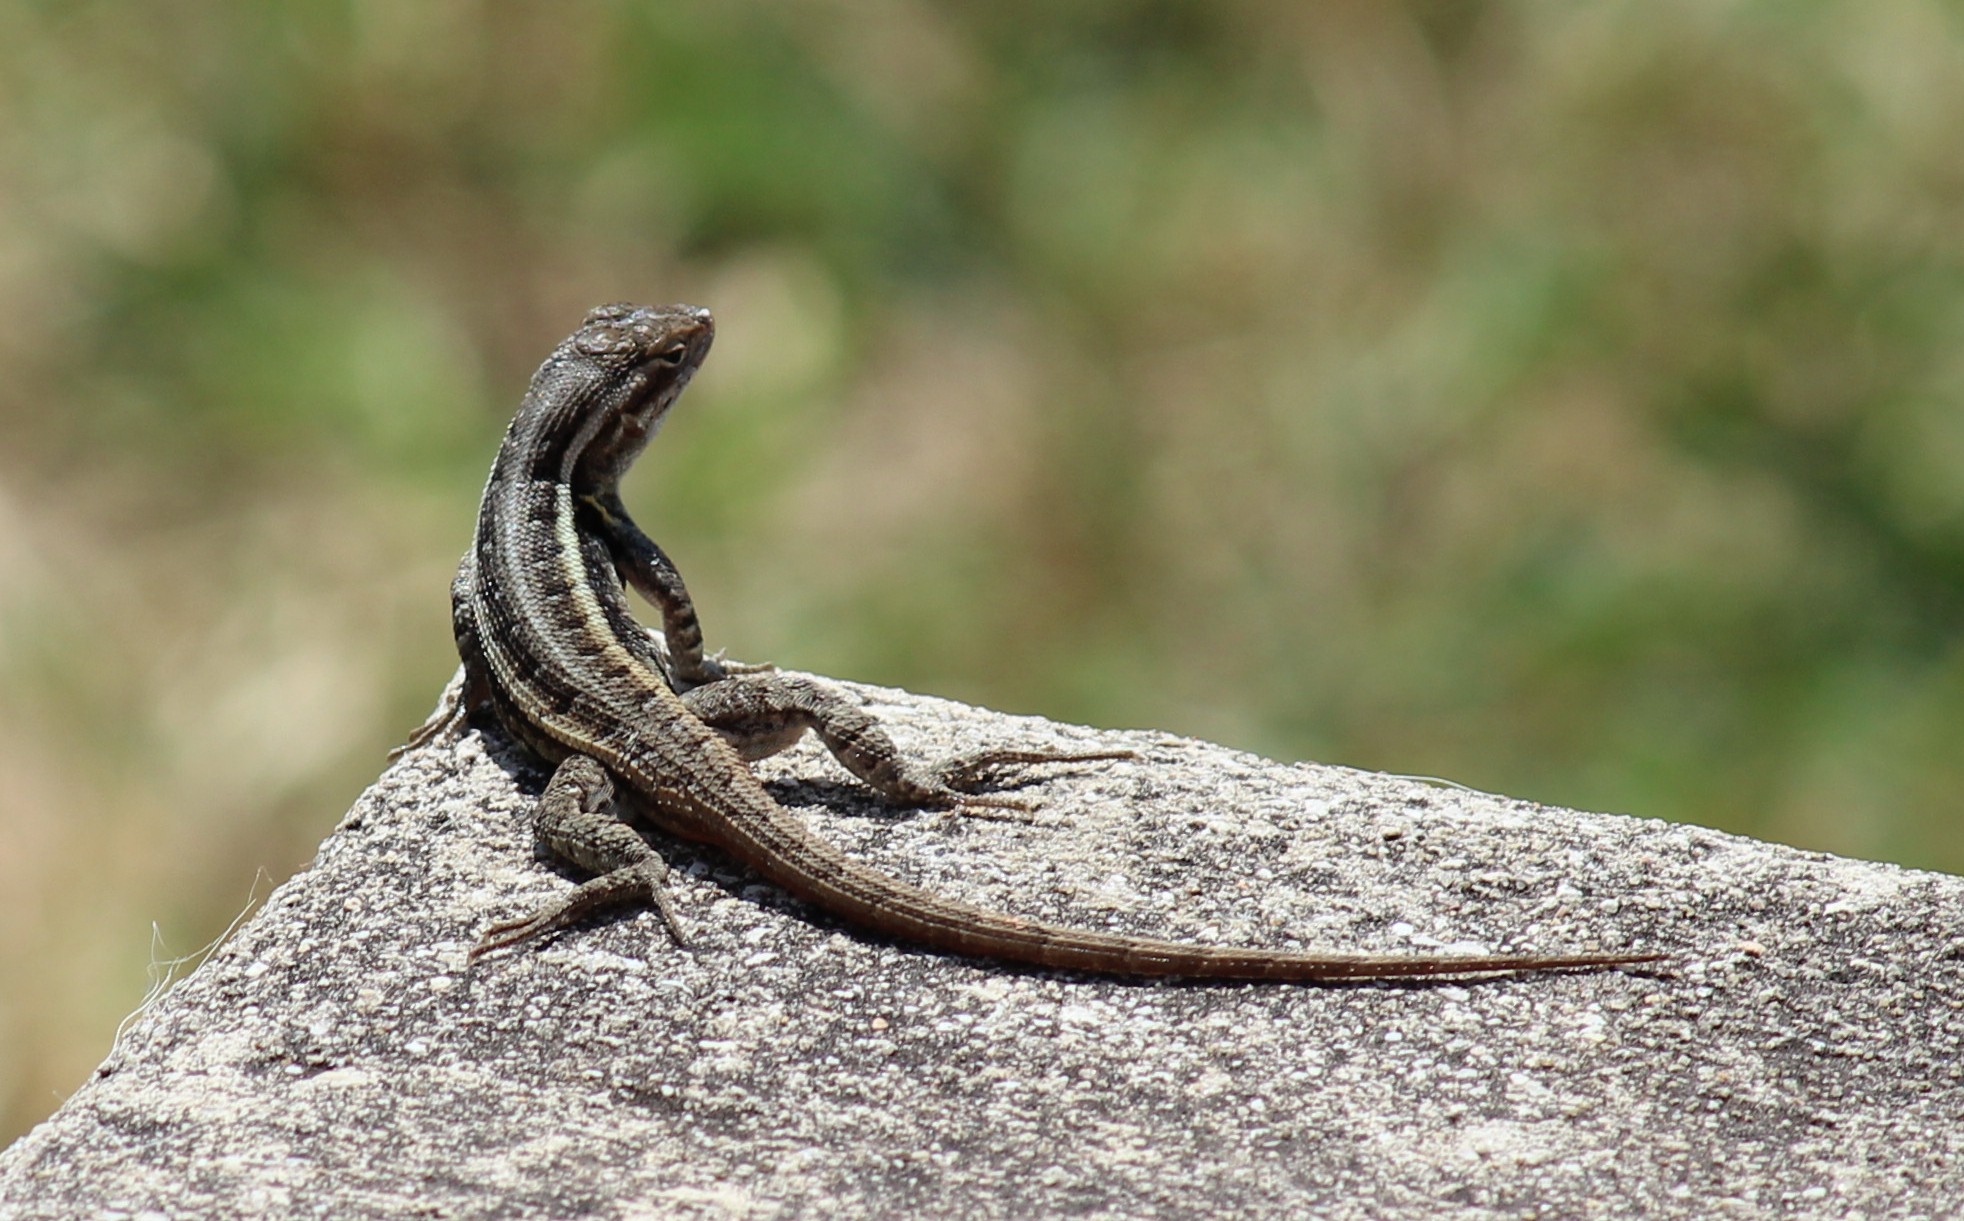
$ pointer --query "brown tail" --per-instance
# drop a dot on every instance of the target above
(777, 846)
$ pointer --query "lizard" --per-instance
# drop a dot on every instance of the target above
(550, 647)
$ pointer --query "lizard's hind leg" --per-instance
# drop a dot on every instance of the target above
(762, 714)
(576, 821)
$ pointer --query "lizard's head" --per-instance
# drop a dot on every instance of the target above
(618, 375)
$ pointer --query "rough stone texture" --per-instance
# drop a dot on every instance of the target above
(1803, 1058)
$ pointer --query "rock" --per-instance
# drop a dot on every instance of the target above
(1804, 1056)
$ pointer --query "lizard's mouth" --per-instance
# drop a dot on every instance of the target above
(645, 412)
(648, 406)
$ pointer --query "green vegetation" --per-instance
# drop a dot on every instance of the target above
(1564, 399)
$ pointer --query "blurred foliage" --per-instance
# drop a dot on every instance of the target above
(1564, 399)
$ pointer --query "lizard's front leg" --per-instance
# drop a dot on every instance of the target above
(647, 568)
(762, 714)
(576, 821)
(467, 689)
(453, 710)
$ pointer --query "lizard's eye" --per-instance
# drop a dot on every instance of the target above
(673, 354)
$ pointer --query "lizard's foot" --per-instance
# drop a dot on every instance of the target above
(955, 782)
(447, 721)
(709, 668)
(636, 884)
(726, 667)
(989, 768)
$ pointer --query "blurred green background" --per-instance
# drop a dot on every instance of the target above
(1564, 399)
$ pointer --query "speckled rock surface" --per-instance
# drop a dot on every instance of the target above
(1804, 1057)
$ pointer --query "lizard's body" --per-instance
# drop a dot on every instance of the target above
(548, 643)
